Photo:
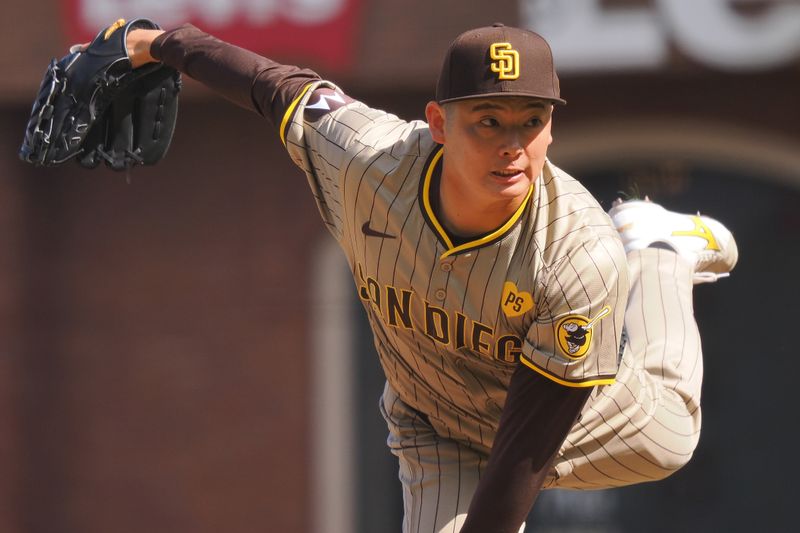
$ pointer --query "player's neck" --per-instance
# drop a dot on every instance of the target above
(465, 215)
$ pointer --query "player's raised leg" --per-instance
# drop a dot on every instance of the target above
(703, 242)
(646, 425)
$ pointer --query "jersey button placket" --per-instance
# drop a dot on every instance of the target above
(445, 265)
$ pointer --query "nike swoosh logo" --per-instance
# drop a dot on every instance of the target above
(369, 232)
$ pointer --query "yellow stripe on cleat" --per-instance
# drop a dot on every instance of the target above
(702, 231)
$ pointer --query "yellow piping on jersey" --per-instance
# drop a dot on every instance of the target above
(574, 384)
(443, 234)
(289, 111)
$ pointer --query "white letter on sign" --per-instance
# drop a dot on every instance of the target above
(100, 13)
(713, 33)
(312, 12)
(585, 36)
(217, 13)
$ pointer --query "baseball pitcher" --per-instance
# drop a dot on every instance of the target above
(528, 339)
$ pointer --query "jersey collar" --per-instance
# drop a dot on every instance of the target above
(433, 171)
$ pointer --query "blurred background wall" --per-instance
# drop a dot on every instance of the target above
(179, 347)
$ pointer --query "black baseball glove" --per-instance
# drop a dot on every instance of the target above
(93, 106)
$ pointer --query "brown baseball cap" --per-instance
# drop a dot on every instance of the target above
(498, 60)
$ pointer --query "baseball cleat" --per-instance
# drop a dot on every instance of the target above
(703, 241)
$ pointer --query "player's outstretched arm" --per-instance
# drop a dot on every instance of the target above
(579, 320)
(536, 419)
(246, 78)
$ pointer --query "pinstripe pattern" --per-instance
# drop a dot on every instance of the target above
(646, 425)
(447, 345)
(438, 475)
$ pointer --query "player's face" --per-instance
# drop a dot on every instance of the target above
(494, 148)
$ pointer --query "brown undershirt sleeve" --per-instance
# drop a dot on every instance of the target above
(536, 419)
(247, 79)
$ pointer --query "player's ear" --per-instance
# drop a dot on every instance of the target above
(434, 113)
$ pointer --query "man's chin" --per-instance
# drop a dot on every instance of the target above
(511, 187)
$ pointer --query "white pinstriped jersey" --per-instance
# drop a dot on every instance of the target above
(451, 322)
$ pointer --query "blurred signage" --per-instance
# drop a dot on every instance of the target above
(320, 30)
(731, 35)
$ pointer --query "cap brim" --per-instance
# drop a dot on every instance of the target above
(560, 101)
